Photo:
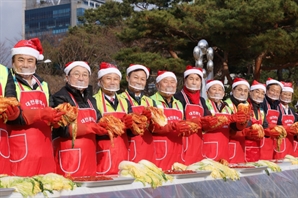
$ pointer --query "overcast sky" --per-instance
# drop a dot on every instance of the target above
(11, 21)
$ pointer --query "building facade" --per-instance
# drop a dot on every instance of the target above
(44, 18)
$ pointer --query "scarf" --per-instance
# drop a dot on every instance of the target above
(193, 97)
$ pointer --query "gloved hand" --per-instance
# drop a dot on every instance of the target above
(48, 114)
(239, 117)
(182, 128)
(213, 122)
(196, 120)
(251, 133)
(272, 132)
(155, 128)
(87, 128)
(291, 130)
(99, 130)
(148, 114)
(127, 120)
(207, 122)
(12, 112)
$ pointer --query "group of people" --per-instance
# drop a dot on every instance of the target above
(32, 142)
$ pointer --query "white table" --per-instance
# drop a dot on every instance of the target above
(282, 184)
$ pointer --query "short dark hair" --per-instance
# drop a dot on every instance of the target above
(268, 86)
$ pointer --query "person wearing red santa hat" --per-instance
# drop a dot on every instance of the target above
(167, 139)
(271, 109)
(110, 103)
(217, 126)
(287, 119)
(240, 90)
(194, 108)
(140, 146)
(253, 141)
(79, 159)
(30, 133)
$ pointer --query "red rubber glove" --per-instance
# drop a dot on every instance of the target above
(87, 128)
(148, 114)
(213, 122)
(127, 120)
(12, 112)
(239, 117)
(182, 128)
(196, 120)
(207, 122)
(48, 114)
(251, 133)
(162, 129)
(291, 130)
(272, 132)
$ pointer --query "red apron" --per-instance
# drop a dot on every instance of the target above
(108, 156)
(286, 146)
(216, 142)
(295, 148)
(236, 149)
(236, 145)
(4, 150)
(253, 147)
(140, 146)
(267, 147)
(81, 159)
(168, 148)
(31, 151)
(4, 146)
(192, 145)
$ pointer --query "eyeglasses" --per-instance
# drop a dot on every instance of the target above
(78, 75)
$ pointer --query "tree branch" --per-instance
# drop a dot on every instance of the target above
(280, 66)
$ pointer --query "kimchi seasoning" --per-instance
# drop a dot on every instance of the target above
(91, 178)
(179, 171)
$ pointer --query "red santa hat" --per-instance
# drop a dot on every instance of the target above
(193, 70)
(272, 81)
(256, 85)
(69, 66)
(163, 74)
(287, 86)
(107, 68)
(30, 47)
(210, 83)
(134, 67)
(239, 81)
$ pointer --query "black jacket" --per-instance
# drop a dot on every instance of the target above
(10, 89)
(273, 104)
(81, 99)
(180, 97)
(255, 108)
(290, 111)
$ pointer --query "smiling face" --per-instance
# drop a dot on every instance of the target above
(109, 83)
(240, 92)
(193, 82)
(25, 65)
(257, 95)
(273, 91)
(286, 97)
(216, 92)
(136, 81)
(78, 77)
(167, 86)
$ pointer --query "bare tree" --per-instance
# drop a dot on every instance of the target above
(4, 54)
